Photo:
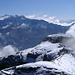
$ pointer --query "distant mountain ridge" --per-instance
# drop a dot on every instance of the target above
(23, 32)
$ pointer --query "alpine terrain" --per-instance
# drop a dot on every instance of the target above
(55, 55)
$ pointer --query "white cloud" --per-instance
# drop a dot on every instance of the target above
(71, 31)
(50, 19)
(7, 50)
(31, 16)
(70, 42)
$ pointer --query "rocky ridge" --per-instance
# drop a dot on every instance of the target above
(50, 57)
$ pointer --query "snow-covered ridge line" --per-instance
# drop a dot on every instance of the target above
(41, 67)
(4, 17)
(49, 56)
(47, 18)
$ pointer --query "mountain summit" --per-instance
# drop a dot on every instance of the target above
(50, 57)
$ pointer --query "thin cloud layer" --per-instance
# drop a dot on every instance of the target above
(50, 19)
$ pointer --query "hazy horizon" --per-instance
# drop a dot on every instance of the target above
(62, 9)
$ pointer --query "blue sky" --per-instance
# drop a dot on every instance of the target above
(62, 9)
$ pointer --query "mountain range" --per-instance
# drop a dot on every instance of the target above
(23, 33)
(43, 48)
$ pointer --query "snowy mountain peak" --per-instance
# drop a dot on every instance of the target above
(14, 16)
(48, 57)
(4, 17)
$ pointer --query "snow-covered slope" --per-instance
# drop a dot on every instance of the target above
(38, 68)
(50, 57)
(4, 17)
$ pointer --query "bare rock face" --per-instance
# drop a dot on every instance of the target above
(56, 38)
(53, 39)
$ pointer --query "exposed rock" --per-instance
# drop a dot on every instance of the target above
(47, 58)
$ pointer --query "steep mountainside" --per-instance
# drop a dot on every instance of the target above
(50, 57)
(23, 33)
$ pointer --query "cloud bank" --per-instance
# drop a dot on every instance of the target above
(8, 50)
(70, 42)
(71, 31)
(50, 19)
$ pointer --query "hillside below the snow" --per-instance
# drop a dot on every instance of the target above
(51, 57)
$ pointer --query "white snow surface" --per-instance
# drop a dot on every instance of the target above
(23, 25)
(4, 17)
(35, 65)
(65, 62)
(43, 48)
(4, 27)
(71, 31)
